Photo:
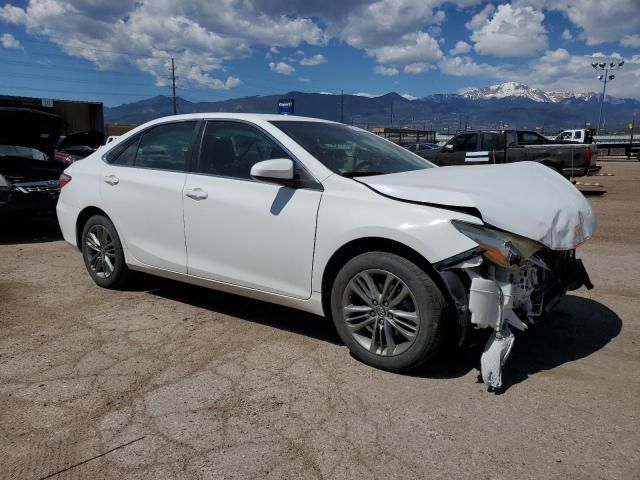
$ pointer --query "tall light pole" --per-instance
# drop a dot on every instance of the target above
(604, 78)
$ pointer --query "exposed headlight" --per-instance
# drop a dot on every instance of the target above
(3, 182)
(504, 249)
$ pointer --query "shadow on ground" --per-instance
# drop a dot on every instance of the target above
(256, 311)
(36, 229)
(576, 329)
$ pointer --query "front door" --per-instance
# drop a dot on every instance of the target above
(460, 150)
(245, 232)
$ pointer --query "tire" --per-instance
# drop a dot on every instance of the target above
(103, 254)
(422, 311)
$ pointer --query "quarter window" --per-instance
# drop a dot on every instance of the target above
(230, 149)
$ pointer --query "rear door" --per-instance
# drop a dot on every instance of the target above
(141, 191)
(491, 148)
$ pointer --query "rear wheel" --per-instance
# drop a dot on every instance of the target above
(103, 254)
(388, 311)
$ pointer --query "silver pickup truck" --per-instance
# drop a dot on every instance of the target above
(505, 146)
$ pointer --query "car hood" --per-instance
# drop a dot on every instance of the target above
(524, 198)
(30, 128)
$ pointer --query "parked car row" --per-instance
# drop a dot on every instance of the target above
(337, 221)
(33, 154)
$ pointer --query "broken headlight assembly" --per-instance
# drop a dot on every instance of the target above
(504, 249)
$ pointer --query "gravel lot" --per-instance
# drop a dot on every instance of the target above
(174, 381)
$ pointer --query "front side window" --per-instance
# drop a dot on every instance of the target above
(466, 142)
(491, 141)
(164, 147)
(350, 151)
(230, 149)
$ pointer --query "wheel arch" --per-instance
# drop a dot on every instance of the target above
(82, 219)
(373, 244)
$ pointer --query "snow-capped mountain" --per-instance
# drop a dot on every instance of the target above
(515, 89)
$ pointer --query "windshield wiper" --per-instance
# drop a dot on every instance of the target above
(360, 174)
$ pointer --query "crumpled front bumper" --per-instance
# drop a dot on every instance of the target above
(488, 296)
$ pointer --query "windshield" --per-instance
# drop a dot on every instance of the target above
(350, 151)
(21, 152)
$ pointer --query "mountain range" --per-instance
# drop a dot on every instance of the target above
(510, 103)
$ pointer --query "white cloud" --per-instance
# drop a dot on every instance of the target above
(509, 32)
(386, 71)
(9, 41)
(410, 48)
(600, 20)
(465, 67)
(282, 68)
(303, 79)
(416, 68)
(313, 60)
(556, 70)
(566, 34)
(480, 18)
(460, 48)
(631, 41)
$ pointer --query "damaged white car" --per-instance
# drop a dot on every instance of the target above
(333, 220)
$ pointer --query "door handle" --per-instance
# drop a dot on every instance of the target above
(196, 194)
(111, 180)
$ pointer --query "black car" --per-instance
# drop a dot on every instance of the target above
(29, 173)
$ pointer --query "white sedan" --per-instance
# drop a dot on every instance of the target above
(333, 220)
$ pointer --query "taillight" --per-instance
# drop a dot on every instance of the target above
(64, 179)
(587, 154)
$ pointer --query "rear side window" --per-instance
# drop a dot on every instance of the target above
(530, 138)
(164, 147)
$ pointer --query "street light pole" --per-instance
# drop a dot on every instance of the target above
(604, 78)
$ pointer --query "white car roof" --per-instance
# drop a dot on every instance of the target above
(265, 117)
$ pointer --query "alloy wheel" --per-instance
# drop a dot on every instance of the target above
(381, 312)
(101, 251)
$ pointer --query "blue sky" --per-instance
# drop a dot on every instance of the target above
(118, 51)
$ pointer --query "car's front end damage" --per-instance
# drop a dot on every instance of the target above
(526, 222)
(508, 281)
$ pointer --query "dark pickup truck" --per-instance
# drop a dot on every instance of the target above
(504, 146)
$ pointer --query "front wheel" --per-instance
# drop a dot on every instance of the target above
(388, 311)
(103, 254)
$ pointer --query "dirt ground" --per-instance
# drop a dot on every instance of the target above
(174, 381)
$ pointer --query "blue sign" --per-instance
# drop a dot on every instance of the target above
(285, 106)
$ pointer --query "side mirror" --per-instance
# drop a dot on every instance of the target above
(278, 170)
(448, 148)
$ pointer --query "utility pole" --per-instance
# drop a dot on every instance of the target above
(391, 113)
(173, 83)
(341, 106)
(631, 126)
